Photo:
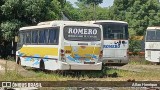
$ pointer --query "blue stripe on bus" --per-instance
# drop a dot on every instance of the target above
(40, 57)
(76, 56)
(45, 58)
(92, 55)
(72, 59)
(28, 59)
(36, 62)
(87, 60)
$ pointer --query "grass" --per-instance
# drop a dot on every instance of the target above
(122, 75)
(107, 74)
(138, 60)
(10, 75)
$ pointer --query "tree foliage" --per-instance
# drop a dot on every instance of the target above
(87, 11)
(8, 29)
(138, 13)
(16, 13)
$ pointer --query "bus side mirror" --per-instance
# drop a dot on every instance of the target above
(16, 38)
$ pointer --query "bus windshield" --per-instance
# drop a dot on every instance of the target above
(82, 33)
(113, 31)
(153, 35)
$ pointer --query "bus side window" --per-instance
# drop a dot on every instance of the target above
(158, 35)
(28, 37)
(34, 36)
(24, 38)
(43, 35)
(21, 38)
(53, 38)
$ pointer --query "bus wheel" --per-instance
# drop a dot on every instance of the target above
(19, 61)
(42, 66)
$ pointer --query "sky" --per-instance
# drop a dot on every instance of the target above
(105, 3)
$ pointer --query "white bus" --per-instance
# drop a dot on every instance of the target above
(116, 44)
(61, 45)
(152, 44)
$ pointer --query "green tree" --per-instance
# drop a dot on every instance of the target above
(52, 11)
(71, 12)
(26, 12)
(62, 3)
(17, 13)
(8, 29)
(91, 1)
(138, 13)
(87, 11)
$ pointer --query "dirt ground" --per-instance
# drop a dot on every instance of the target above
(12, 66)
(140, 68)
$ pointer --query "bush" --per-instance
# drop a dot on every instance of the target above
(135, 47)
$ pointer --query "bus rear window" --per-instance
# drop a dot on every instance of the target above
(112, 31)
(82, 33)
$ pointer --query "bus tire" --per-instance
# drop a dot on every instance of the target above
(41, 65)
(19, 61)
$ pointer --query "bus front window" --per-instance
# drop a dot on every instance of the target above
(21, 40)
(150, 35)
(153, 35)
(158, 35)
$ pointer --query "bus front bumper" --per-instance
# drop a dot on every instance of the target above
(66, 66)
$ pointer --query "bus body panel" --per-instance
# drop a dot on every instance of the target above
(152, 51)
(32, 54)
(82, 53)
(115, 48)
(66, 66)
(40, 51)
(115, 51)
(52, 64)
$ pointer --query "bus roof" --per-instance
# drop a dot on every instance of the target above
(103, 21)
(155, 27)
(57, 23)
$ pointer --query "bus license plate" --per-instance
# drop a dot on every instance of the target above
(83, 58)
(89, 62)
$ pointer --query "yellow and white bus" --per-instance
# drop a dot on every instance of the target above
(61, 45)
